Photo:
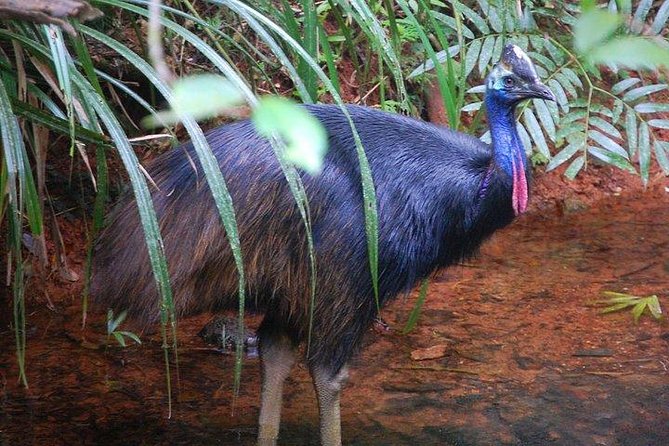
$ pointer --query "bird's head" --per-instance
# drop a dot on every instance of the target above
(514, 79)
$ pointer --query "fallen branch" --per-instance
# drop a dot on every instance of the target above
(49, 12)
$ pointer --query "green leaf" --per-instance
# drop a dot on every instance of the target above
(545, 117)
(565, 84)
(542, 60)
(605, 126)
(474, 106)
(637, 311)
(631, 52)
(415, 311)
(119, 338)
(661, 18)
(535, 131)
(497, 50)
(560, 95)
(565, 130)
(573, 77)
(304, 136)
(486, 53)
(472, 56)
(524, 138)
(492, 14)
(640, 92)
(659, 123)
(199, 96)
(131, 335)
(640, 15)
(644, 152)
(651, 107)
(608, 143)
(452, 23)
(575, 167)
(573, 116)
(618, 107)
(563, 155)
(442, 56)
(624, 84)
(537, 42)
(631, 130)
(473, 17)
(593, 27)
(661, 149)
(611, 158)
(653, 304)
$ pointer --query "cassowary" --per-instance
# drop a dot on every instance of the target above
(440, 193)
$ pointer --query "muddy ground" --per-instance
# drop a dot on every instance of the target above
(520, 358)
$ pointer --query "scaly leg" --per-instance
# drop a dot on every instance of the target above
(277, 353)
(328, 388)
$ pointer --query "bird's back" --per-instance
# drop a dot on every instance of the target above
(427, 179)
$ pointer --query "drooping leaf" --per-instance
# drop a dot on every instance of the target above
(304, 137)
(631, 131)
(605, 126)
(661, 18)
(618, 107)
(633, 52)
(565, 130)
(644, 152)
(545, 118)
(199, 96)
(575, 167)
(659, 123)
(563, 155)
(472, 56)
(640, 15)
(593, 27)
(565, 84)
(524, 138)
(573, 77)
(534, 130)
(662, 156)
(624, 84)
(640, 92)
(478, 21)
(611, 158)
(486, 53)
(474, 106)
(491, 12)
(608, 143)
(651, 107)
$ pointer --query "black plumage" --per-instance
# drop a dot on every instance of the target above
(440, 193)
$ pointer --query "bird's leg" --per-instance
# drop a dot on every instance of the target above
(277, 353)
(328, 388)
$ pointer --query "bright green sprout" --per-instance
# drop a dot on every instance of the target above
(114, 323)
(620, 301)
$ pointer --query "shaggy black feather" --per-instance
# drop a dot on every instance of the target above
(439, 192)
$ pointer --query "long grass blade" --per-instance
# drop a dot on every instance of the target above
(12, 148)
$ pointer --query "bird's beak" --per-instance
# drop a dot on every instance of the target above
(538, 90)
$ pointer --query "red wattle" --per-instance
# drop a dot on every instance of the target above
(519, 195)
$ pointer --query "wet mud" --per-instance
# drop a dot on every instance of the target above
(518, 357)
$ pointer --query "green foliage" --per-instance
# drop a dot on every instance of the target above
(199, 96)
(639, 305)
(113, 323)
(304, 137)
(618, 125)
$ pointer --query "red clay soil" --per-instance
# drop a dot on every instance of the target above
(519, 358)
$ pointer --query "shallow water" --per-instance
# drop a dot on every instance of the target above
(524, 360)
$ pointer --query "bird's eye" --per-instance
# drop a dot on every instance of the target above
(509, 82)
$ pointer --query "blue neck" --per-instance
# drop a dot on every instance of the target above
(506, 143)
